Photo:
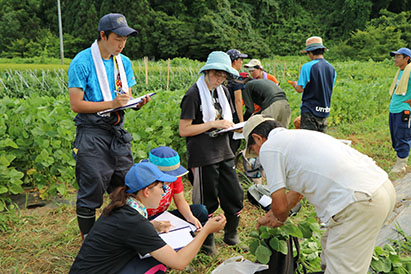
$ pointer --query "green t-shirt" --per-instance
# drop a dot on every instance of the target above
(397, 104)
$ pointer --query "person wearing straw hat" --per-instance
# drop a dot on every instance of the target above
(168, 161)
(400, 108)
(205, 107)
(123, 233)
(316, 82)
(100, 78)
(351, 194)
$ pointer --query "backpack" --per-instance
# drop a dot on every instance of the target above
(259, 195)
(285, 264)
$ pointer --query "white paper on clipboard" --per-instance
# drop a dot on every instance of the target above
(130, 104)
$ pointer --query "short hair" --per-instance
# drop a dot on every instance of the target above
(263, 130)
(409, 58)
(106, 34)
(318, 51)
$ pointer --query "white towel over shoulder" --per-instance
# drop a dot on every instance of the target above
(102, 75)
(209, 113)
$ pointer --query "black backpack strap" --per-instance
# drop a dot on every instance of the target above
(297, 256)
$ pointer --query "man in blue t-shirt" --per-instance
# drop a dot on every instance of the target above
(100, 78)
(400, 108)
(316, 82)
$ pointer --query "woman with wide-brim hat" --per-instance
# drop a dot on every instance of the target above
(205, 107)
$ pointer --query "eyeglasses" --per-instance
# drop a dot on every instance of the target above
(220, 74)
(251, 69)
(398, 56)
(165, 189)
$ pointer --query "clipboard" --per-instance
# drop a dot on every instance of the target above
(180, 233)
(214, 133)
(130, 104)
(235, 127)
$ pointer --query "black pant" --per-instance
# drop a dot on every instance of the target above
(218, 185)
(311, 122)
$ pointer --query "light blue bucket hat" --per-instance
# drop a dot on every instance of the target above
(219, 60)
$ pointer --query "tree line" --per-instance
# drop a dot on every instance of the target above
(357, 29)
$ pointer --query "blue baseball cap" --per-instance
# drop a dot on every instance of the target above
(116, 23)
(167, 160)
(144, 174)
(235, 54)
(405, 51)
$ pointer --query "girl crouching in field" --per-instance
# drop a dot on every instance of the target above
(123, 232)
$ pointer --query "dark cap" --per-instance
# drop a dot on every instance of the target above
(235, 54)
(404, 51)
(116, 23)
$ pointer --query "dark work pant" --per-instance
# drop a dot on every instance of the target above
(218, 185)
(311, 122)
(400, 135)
(97, 170)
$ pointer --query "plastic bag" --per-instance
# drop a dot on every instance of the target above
(238, 265)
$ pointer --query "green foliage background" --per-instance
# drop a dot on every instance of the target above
(352, 29)
(36, 127)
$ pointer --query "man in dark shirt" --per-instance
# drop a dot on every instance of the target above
(269, 97)
(316, 82)
(235, 89)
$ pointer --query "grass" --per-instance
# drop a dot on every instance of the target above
(46, 239)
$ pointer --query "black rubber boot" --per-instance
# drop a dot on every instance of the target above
(230, 230)
(86, 218)
(208, 246)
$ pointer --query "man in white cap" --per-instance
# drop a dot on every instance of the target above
(256, 71)
(350, 193)
(316, 82)
(100, 78)
(400, 108)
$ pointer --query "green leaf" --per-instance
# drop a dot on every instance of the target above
(377, 264)
(8, 143)
(254, 245)
(6, 160)
(15, 176)
(254, 234)
(3, 189)
(283, 247)
(395, 260)
(61, 188)
(265, 235)
(15, 188)
(305, 229)
(292, 230)
(274, 243)
(263, 254)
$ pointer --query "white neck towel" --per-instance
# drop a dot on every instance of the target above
(102, 75)
(209, 113)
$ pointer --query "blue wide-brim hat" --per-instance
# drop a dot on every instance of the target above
(167, 160)
(219, 60)
(142, 175)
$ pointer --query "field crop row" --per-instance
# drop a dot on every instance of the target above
(37, 130)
